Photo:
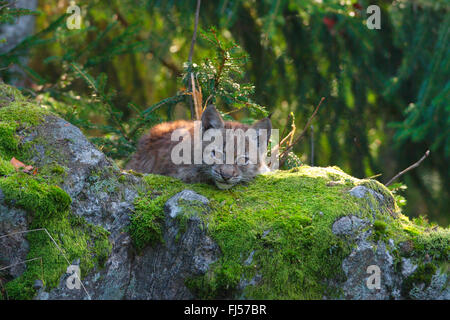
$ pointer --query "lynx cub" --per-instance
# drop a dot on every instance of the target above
(155, 150)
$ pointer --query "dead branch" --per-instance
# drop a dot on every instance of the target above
(194, 36)
(284, 154)
(191, 53)
(414, 165)
(289, 119)
(197, 98)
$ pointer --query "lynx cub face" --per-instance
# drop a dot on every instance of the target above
(231, 160)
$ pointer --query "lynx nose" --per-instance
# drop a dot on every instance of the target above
(227, 173)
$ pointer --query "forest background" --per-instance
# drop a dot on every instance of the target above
(129, 66)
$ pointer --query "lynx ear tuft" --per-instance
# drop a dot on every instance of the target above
(211, 118)
(265, 124)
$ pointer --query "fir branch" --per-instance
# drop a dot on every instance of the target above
(106, 101)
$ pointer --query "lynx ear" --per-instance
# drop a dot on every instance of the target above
(211, 118)
(265, 124)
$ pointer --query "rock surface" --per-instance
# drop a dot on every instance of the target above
(14, 246)
(158, 272)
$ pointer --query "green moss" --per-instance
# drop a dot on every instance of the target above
(8, 141)
(78, 239)
(435, 244)
(221, 284)
(58, 170)
(20, 111)
(380, 229)
(285, 219)
(276, 217)
(145, 224)
(411, 230)
(46, 203)
(10, 94)
(418, 239)
(6, 168)
(48, 206)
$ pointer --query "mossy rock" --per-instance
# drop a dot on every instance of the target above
(47, 205)
(304, 233)
(276, 234)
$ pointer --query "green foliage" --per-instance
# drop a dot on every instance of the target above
(292, 161)
(397, 190)
(428, 118)
(8, 13)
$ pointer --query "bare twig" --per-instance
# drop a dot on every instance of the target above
(206, 102)
(5, 68)
(8, 5)
(284, 154)
(4, 289)
(374, 176)
(26, 261)
(194, 36)
(312, 146)
(197, 97)
(414, 165)
(289, 118)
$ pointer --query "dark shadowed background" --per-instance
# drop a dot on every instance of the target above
(386, 91)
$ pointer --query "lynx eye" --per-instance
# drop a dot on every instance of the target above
(243, 160)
